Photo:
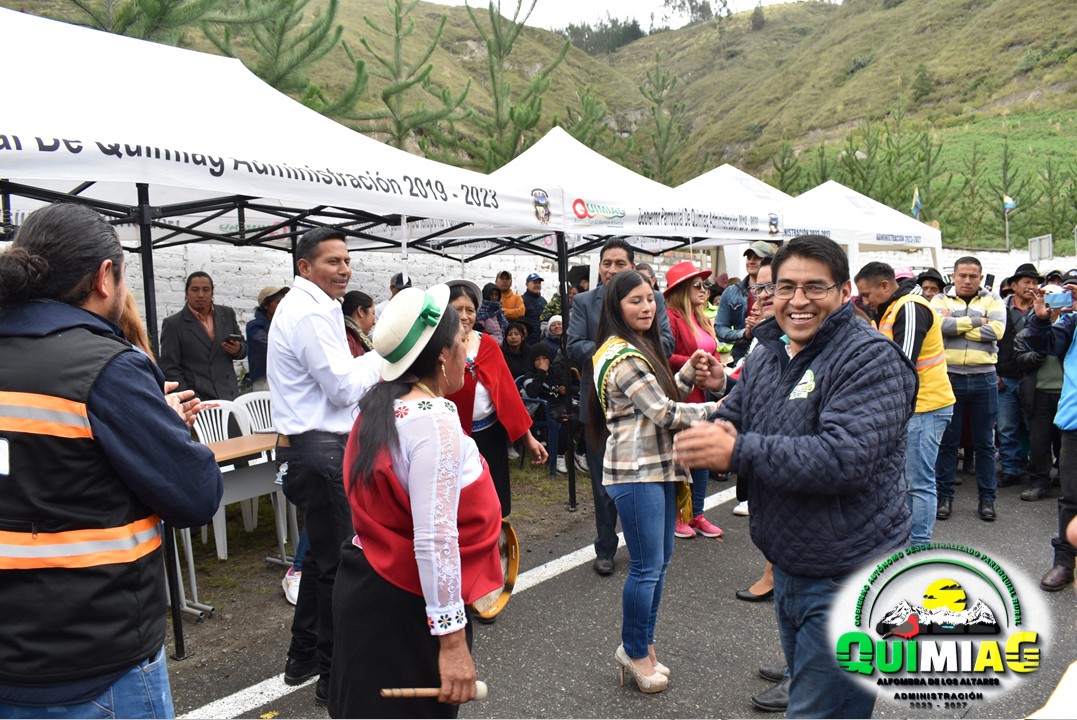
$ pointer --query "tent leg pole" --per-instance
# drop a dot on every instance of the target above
(562, 284)
(146, 251)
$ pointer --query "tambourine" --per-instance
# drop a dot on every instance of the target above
(490, 604)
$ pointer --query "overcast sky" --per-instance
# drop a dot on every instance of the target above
(556, 14)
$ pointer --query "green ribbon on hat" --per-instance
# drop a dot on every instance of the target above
(429, 316)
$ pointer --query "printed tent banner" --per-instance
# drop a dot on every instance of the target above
(92, 106)
(759, 208)
(600, 197)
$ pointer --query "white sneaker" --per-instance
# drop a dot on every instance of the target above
(290, 583)
(581, 464)
(561, 466)
(741, 509)
(513, 455)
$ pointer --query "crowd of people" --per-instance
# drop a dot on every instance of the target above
(842, 415)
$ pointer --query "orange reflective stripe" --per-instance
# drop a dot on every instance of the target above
(111, 557)
(45, 402)
(79, 548)
(44, 427)
(37, 414)
(79, 536)
(926, 362)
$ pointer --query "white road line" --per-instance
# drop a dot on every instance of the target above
(267, 691)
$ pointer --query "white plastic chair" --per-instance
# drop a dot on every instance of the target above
(259, 410)
(244, 485)
(211, 423)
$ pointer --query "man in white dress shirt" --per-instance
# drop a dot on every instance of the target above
(316, 386)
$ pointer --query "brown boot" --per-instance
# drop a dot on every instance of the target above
(1057, 578)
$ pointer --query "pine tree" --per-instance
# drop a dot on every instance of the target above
(667, 133)
(406, 116)
(509, 129)
(163, 21)
(285, 47)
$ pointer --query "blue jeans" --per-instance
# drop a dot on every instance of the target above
(648, 513)
(925, 433)
(977, 395)
(819, 688)
(699, 490)
(1012, 428)
(143, 692)
(300, 550)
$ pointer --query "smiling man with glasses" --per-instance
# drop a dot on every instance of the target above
(825, 479)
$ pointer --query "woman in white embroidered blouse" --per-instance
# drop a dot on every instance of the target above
(420, 553)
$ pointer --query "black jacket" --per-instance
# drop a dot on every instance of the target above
(821, 445)
(104, 451)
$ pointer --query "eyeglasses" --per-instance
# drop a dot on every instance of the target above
(758, 290)
(698, 285)
(812, 291)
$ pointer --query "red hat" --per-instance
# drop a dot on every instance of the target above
(682, 272)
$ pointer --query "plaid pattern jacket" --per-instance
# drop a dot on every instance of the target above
(642, 420)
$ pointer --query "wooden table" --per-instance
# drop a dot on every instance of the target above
(244, 446)
(242, 481)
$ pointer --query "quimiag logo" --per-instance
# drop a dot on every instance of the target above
(939, 627)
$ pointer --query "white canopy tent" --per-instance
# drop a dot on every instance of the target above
(857, 221)
(602, 198)
(205, 137)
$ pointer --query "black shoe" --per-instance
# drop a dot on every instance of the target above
(1008, 480)
(986, 510)
(945, 509)
(1034, 493)
(321, 691)
(774, 700)
(774, 673)
(297, 672)
(1057, 578)
(748, 596)
(603, 566)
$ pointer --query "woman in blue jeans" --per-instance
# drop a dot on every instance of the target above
(635, 418)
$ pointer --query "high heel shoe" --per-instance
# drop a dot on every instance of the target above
(654, 683)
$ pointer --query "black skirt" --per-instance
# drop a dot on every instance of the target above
(381, 640)
(493, 444)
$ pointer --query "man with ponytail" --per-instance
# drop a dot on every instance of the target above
(93, 455)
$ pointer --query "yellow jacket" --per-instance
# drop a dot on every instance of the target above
(935, 391)
(971, 331)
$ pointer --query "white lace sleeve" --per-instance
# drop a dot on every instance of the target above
(434, 448)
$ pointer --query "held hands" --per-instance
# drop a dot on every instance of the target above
(232, 347)
(456, 668)
(710, 374)
(706, 445)
(184, 402)
(538, 453)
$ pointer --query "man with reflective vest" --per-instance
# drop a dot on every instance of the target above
(93, 455)
(904, 316)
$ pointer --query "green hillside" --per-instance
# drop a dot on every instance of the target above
(969, 73)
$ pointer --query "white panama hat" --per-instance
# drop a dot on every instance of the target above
(406, 326)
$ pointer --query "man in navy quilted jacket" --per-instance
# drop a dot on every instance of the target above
(816, 429)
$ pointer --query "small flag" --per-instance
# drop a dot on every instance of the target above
(1008, 203)
(916, 202)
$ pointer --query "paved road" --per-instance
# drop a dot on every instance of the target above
(551, 652)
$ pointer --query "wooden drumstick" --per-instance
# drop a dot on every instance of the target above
(480, 692)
